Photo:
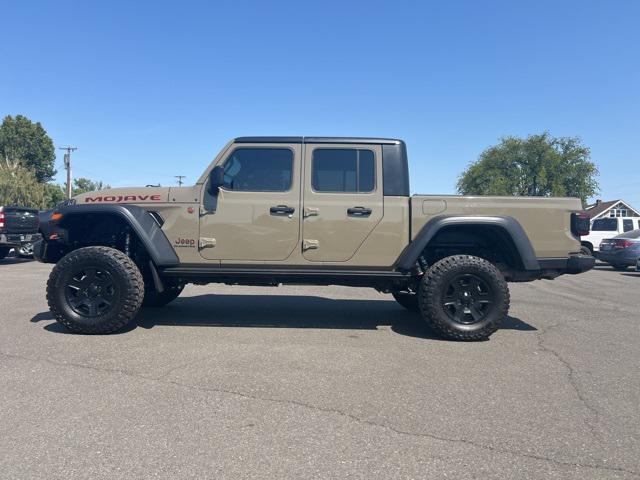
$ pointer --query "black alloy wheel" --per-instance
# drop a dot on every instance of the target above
(468, 299)
(91, 292)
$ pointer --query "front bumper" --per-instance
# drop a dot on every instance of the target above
(19, 239)
(39, 249)
(47, 251)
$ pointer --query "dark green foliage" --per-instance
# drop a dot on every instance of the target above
(84, 185)
(539, 165)
(26, 143)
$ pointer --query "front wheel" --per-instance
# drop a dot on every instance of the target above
(463, 297)
(95, 290)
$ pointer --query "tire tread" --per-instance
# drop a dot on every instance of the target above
(432, 280)
(132, 296)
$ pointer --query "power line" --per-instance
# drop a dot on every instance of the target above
(180, 177)
(67, 166)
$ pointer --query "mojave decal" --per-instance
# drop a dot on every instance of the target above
(123, 198)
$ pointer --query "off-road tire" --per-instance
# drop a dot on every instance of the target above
(153, 298)
(4, 251)
(407, 300)
(126, 281)
(435, 286)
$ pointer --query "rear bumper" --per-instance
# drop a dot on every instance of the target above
(19, 239)
(619, 258)
(575, 263)
(580, 263)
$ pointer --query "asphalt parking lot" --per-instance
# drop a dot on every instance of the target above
(307, 382)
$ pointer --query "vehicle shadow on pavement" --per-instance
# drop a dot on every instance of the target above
(283, 311)
(14, 260)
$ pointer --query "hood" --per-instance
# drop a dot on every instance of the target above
(137, 195)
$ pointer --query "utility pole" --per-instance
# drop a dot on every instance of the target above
(180, 177)
(67, 166)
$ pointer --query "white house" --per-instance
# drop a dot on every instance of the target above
(611, 209)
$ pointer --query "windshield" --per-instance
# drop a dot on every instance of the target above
(605, 225)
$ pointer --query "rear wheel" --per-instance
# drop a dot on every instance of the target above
(4, 251)
(584, 250)
(153, 298)
(463, 297)
(407, 300)
(95, 290)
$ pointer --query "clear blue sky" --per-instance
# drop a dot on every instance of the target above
(148, 90)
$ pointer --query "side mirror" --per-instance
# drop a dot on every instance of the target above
(216, 179)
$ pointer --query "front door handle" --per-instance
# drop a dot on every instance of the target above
(282, 210)
(359, 212)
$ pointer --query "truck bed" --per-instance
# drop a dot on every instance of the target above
(546, 220)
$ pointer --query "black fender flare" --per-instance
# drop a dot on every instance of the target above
(143, 224)
(510, 225)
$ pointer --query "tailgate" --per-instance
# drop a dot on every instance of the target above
(546, 221)
(20, 220)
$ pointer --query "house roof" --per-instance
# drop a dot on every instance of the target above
(598, 208)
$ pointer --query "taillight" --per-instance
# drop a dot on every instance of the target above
(1, 219)
(621, 243)
(580, 223)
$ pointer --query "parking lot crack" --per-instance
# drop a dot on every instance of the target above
(398, 431)
(573, 382)
(345, 414)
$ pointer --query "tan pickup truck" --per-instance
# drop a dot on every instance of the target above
(306, 210)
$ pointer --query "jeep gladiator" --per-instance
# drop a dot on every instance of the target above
(307, 210)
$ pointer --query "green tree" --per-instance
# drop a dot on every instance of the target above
(27, 143)
(19, 186)
(84, 185)
(539, 165)
(53, 194)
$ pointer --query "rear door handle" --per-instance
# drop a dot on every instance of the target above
(282, 210)
(359, 211)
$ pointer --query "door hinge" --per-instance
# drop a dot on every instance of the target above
(310, 212)
(310, 245)
(206, 243)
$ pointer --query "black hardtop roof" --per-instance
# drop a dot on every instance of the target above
(382, 141)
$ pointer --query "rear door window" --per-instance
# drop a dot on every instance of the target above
(342, 170)
(605, 225)
(627, 225)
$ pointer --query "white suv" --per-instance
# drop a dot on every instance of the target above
(602, 228)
